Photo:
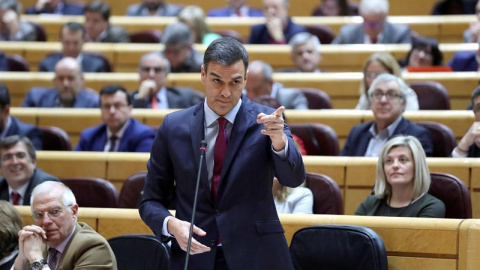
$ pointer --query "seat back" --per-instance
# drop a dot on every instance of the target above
(92, 191)
(139, 252)
(16, 63)
(317, 99)
(55, 139)
(431, 95)
(146, 36)
(453, 193)
(324, 33)
(444, 140)
(267, 100)
(131, 192)
(327, 197)
(40, 31)
(319, 139)
(332, 247)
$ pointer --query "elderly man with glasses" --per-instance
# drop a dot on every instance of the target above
(57, 240)
(387, 96)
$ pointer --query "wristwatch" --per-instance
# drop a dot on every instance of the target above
(38, 264)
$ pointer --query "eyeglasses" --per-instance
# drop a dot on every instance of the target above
(18, 155)
(52, 213)
(155, 69)
(116, 106)
(378, 95)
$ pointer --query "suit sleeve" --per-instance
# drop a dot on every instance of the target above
(35, 135)
(425, 138)
(290, 170)
(300, 102)
(81, 143)
(405, 35)
(346, 150)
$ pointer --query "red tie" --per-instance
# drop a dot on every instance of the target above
(219, 155)
(154, 102)
(15, 198)
(239, 14)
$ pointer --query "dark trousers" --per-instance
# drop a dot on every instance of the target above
(220, 262)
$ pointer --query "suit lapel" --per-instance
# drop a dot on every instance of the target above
(197, 135)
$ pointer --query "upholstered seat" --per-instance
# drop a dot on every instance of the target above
(431, 95)
(327, 197)
(92, 192)
(324, 33)
(454, 194)
(444, 140)
(319, 139)
(317, 99)
(146, 36)
(17, 63)
(55, 139)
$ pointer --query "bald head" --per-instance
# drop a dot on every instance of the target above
(68, 80)
(259, 80)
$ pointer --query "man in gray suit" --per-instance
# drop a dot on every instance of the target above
(153, 8)
(153, 70)
(11, 27)
(260, 82)
(98, 27)
(375, 28)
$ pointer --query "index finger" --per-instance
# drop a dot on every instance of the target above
(278, 112)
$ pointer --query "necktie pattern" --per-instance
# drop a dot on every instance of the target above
(219, 155)
(52, 258)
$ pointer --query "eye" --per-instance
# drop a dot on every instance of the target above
(388, 161)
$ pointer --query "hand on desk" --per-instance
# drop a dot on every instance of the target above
(180, 230)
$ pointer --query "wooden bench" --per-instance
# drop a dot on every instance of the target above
(411, 243)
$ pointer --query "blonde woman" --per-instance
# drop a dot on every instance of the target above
(10, 225)
(194, 18)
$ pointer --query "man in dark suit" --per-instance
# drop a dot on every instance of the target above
(469, 145)
(279, 27)
(55, 7)
(68, 91)
(57, 240)
(465, 61)
(11, 27)
(98, 27)
(72, 37)
(19, 170)
(118, 132)
(236, 226)
(388, 100)
(260, 82)
(153, 8)
(153, 70)
(235, 8)
(375, 28)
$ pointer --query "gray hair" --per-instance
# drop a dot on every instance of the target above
(369, 7)
(68, 199)
(384, 78)
(302, 38)
(266, 69)
(421, 179)
(158, 55)
(177, 34)
(11, 5)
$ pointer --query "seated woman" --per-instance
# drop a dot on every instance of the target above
(379, 63)
(10, 225)
(402, 183)
(194, 18)
(289, 200)
(423, 53)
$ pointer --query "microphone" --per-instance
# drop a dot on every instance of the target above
(203, 147)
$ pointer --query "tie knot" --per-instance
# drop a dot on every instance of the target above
(222, 123)
(52, 251)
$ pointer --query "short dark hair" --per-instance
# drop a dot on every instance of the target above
(421, 42)
(100, 7)
(10, 5)
(10, 141)
(4, 96)
(112, 89)
(73, 27)
(226, 51)
(475, 94)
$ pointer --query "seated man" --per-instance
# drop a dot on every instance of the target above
(57, 240)
(68, 91)
(119, 132)
(11, 27)
(260, 82)
(18, 165)
(469, 145)
(10, 125)
(98, 27)
(279, 28)
(387, 96)
(153, 70)
(153, 8)
(235, 8)
(375, 28)
(305, 53)
(72, 37)
(59, 7)
(179, 50)
(466, 61)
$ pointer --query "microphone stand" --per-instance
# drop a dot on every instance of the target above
(203, 145)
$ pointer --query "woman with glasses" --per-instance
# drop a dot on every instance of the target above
(402, 183)
(381, 63)
(424, 53)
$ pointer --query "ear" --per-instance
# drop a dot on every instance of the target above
(74, 211)
(203, 74)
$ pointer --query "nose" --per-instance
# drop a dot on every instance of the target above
(226, 92)
(422, 54)
(151, 73)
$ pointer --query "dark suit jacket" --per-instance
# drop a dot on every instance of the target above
(464, 61)
(227, 12)
(177, 99)
(90, 63)
(3, 63)
(259, 33)
(137, 138)
(116, 34)
(68, 9)
(47, 97)
(139, 9)
(23, 129)
(392, 34)
(244, 212)
(473, 151)
(38, 177)
(359, 137)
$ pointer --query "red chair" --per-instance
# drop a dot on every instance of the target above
(92, 191)
(431, 95)
(17, 63)
(444, 140)
(327, 197)
(55, 139)
(131, 192)
(41, 34)
(146, 36)
(324, 33)
(317, 99)
(319, 139)
(454, 194)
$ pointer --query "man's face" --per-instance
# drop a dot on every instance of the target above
(223, 85)
(389, 106)
(176, 54)
(373, 24)
(16, 165)
(59, 224)
(236, 4)
(68, 81)
(94, 24)
(305, 57)
(72, 43)
(115, 110)
(152, 5)
(275, 8)
(51, 4)
(153, 68)
(256, 84)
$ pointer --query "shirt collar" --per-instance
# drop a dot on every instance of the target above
(211, 116)
(21, 190)
(61, 246)
(390, 129)
(120, 133)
